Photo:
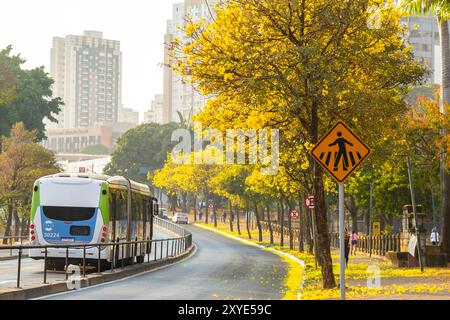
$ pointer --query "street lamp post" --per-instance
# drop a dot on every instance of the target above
(370, 219)
(413, 200)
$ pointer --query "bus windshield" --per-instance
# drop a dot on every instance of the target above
(68, 213)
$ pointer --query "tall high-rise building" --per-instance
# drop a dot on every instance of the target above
(87, 71)
(179, 96)
(423, 36)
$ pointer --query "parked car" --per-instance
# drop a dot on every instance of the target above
(180, 218)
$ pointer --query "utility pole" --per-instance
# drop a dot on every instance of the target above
(413, 200)
(370, 219)
(433, 206)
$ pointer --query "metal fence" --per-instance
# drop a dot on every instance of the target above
(10, 241)
(154, 250)
(380, 244)
(276, 228)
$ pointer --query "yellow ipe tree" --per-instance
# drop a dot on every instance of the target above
(299, 66)
(22, 161)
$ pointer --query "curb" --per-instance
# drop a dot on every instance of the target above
(40, 290)
(12, 257)
(274, 251)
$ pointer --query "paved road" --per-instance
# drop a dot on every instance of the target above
(32, 271)
(221, 269)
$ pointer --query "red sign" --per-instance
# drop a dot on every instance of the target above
(309, 202)
(211, 206)
(294, 214)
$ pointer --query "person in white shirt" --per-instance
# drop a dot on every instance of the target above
(434, 237)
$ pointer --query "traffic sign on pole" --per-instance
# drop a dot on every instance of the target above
(340, 152)
(294, 214)
(309, 202)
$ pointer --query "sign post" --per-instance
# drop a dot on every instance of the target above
(340, 152)
(341, 242)
(309, 203)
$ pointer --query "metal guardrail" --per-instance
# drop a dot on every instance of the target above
(177, 246)
(11, 240)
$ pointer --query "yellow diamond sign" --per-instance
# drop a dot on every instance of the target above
(340, 152)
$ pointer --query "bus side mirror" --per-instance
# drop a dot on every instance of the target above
(155, 209)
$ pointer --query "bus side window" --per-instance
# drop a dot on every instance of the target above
(137, 221)
(113, 215)
(150, 216)
(145, 217)
(122, 216)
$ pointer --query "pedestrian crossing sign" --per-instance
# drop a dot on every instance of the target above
(340, 152)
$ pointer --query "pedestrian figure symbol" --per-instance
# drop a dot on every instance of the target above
(340, 152)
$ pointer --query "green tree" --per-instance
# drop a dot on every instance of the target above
(33, 99)
(140, 150)
(7, 82)
(440, 9)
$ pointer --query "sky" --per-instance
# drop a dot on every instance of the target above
(30, 25)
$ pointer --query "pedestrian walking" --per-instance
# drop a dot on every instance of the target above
(346, 245)
(434, 237)
(354, 241)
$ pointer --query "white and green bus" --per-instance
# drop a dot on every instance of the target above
(90, 209)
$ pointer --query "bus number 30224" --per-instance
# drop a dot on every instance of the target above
(51, 235)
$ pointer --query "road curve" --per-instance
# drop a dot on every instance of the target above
(221, 268)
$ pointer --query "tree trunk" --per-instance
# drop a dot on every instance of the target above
(282, 223)
(238, 221)
(8, 222)
(25, 227)
(17, 224)
(206, 208)
(231, 215)
(302, 226)
(323, 241)
(184, 201)
(247, 223)
(353, 213)
(278, 213)
(291, 236)
(195, 208)
(215, 214)
(258, 223)
(445, 99)
(269, 222)
(173, 203)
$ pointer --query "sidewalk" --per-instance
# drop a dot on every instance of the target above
(396, 283)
